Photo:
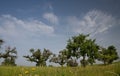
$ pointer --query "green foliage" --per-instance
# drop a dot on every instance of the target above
(38, 57)
(9, 56)
(61, 58)
(1, 42)
(113, 52)
(79, 47)
(72, 63)
(82, 46)
(108, 55)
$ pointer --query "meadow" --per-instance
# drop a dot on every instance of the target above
(95, 70)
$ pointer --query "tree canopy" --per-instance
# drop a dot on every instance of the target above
(108, 55)
(82, 46)
(9, 56)
(61, 58)
(39, 57)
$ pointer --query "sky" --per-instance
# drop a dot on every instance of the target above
(27, 24)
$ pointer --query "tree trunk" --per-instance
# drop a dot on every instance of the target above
(84, 64)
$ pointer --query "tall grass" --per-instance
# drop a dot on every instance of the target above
(96, 70)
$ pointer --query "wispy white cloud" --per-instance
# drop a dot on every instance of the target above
(51, 17)
(93, 22)
(12, 26)
(50, 6)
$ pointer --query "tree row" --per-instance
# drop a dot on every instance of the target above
(79, 49)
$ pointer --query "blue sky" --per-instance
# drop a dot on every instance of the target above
(26, 24)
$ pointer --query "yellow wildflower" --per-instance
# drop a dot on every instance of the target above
(22, 69)
(36, 75)
(26, 72)
(33, 69)
(20, 74)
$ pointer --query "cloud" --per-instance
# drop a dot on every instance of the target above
(50, 6)
(13, 27)
(93, 22)
(51, 17)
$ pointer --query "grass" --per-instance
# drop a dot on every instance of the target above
(96, 70)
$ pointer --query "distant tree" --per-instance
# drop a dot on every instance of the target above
(82, 46)
(72, 63)
(61, 58)
(113, 52)
(9, 56)
(1, 42)
(107, 56)
(38, 57)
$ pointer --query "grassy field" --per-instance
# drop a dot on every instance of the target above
(96, 70)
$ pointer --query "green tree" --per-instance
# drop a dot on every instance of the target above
(72, 63)
(82, 46)
(92, 51)
(113, 53)
(9, 56)
(107, 56)
(61, 59)
(38, 57)
(1, 42)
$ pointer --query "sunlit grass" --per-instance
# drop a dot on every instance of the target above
(96, 70)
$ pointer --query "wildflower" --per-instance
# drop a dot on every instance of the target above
(20, 75)
(36, 75)
(22, 69)
(33, 69)
(70, 71)
(26, 72)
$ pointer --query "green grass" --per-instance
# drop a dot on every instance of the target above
(96, 70)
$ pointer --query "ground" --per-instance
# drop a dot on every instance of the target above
(95, 70)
